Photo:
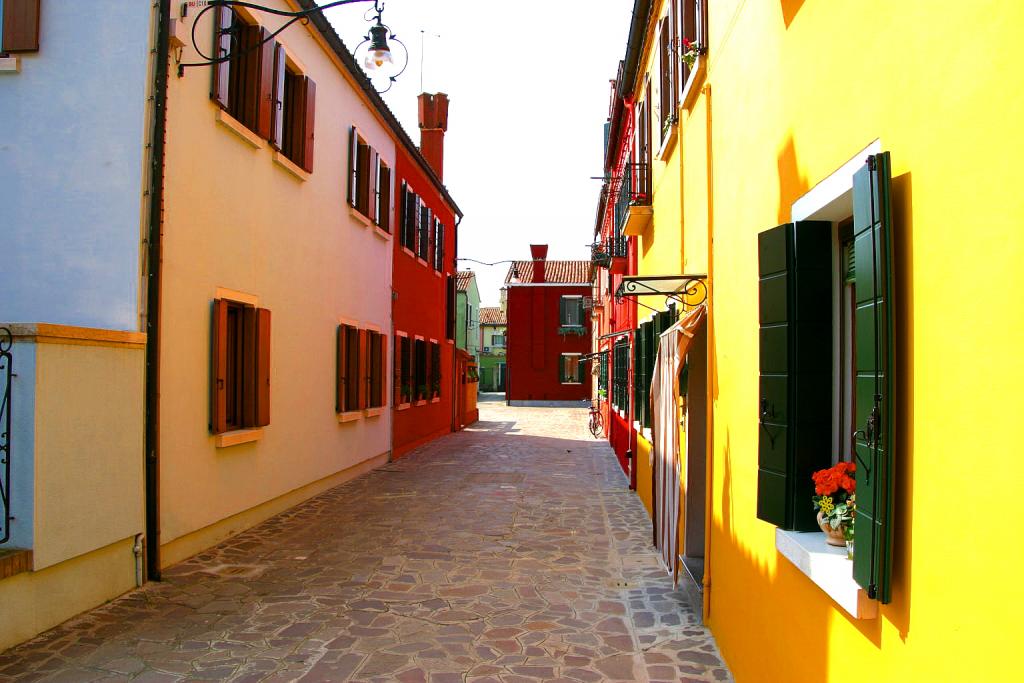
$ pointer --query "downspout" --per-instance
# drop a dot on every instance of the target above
(456, 422)
(153, 287)
(709, 411)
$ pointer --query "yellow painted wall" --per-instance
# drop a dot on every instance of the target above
(236, 219)
(796, 89)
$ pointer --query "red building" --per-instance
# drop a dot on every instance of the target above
(423, 301)
(548, 330)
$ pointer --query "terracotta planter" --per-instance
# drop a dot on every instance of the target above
(836, 537)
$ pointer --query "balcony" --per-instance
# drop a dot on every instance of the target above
(633, 210)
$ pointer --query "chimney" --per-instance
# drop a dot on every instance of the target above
(539, 252)
(433, 124)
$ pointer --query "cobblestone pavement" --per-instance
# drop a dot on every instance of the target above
(510, 552)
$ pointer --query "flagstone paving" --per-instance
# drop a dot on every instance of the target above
(508, 553)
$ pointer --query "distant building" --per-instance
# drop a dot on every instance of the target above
(493, 340)
(467, 313)
(548, 330)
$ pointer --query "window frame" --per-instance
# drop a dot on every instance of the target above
(563, 310)
(240, 366)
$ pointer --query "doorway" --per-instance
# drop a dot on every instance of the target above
(695, 465)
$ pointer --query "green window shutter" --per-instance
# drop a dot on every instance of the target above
(850, 264)
(795, 397)
(872, 220)
(638, 366)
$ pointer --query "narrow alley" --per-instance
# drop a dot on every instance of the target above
(511, 551)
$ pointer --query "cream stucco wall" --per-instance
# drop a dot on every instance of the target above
(236, 219)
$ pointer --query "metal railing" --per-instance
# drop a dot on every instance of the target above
(6, 373)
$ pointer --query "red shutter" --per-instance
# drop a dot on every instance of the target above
(363, 178)
(21, 26)
(277, 99)
(266, 94)
(248, 367)
(262, 367)
(218, 368)
(222, 18)
(339, 386)
(308, 128)
(371, 178)
(353, 173)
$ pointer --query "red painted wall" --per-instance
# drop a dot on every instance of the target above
(534, 346)
(419, 309)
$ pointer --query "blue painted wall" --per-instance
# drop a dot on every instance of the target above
(72, 143)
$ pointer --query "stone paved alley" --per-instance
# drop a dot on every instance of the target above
(509, 552)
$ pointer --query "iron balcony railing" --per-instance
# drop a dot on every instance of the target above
(634, 189)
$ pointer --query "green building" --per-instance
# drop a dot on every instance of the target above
(493, 339)
(467, 313)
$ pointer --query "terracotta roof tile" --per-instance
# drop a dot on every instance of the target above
(492, 316)
(554, 271)
(462, 280)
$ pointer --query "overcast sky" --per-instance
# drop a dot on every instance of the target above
(528, 84)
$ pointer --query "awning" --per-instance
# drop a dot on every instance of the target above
(686, 289)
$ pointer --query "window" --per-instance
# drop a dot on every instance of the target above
(570, 369)
(497, 340)
(403, 370)
(620, 375)
(435, 370)
(667, 95)
(369, 181)
(20, 22)
(260, 89)
(438, 245)
(602, 377)
(797, 430)
(571, 311)
(450, 310)
(411, 207)
(688, 19)
(423, 233)
(293, 111)
(420, 370)
(240, 377)
(350, 385)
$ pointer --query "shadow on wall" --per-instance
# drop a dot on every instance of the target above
(791, 183)
(790, 8)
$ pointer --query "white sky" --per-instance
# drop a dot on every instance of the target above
(528, 84)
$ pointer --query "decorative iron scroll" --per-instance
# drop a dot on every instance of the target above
(6, 341)
(685, 289)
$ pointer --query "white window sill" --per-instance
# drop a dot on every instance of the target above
(408, 251)
(667, 142)
(350, 416)
(10, 65)
(238, 436)
(235, 126)
(644, 432)
(403, 406)
(290, 166)
(828, 568)
(381, 233)
(436, 399)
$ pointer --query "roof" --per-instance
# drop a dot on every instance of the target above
(334, 40)
(567, 272)
(492, 316)
(462, 280)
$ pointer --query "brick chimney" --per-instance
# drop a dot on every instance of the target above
(539, 252)
(433, 124)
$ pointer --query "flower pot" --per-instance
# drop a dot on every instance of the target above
(836, 537)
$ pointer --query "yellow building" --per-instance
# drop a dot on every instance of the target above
(879, 135)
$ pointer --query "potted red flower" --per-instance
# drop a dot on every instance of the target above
(835, 500)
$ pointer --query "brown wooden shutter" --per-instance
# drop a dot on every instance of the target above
(363, 193)
(382, 380)
(262, 367)
(308, 129)
(373, 168)
(363, 372)
(674, 50)
(265, 95)
(340, 379)
(21, 26)
(353, 172)
(664, 71)
(277, 101)
(222, 18)
(219, 368)
(384, 219)
(248, 367)
(691, 31)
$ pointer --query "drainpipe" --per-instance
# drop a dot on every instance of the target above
(709, 413)
(137, 552)
(153, 286)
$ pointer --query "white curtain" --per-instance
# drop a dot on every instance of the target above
(666, 462)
